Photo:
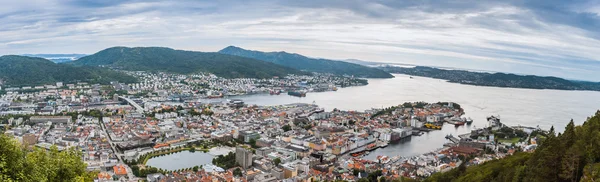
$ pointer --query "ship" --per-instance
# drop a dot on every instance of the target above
(456, 121)
(211, 95)
(297, 93)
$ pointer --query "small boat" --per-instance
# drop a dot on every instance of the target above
(411, 77)
(274, 92)
(459, 123)
(469, 121)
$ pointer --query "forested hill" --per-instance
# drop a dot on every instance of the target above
(571, 156)
(184, 62)
(495, 79)
(300, 62)
(29, 71)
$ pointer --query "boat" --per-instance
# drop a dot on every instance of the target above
(297, 93)
(274, 92)
(371, 147)
(215, 96)
(383, 144)
(411, 77)
(432, 126)
(459, 123)
(469, 121)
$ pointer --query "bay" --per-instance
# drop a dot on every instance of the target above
(527, 107)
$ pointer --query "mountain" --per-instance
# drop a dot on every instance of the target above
(57, 58)
(494, 79)
(304, 63)
(361, 62)
(573, 155)
(184, 62)
(28, 71)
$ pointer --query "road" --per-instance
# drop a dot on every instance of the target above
(119, 156)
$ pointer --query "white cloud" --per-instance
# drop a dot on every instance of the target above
(498, 37)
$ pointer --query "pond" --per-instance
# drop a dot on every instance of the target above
(181, 160)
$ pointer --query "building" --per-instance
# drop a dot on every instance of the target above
(289, 171)
(53, 119)
(29, 139)
(265, 178)
(264, 151)
(243, 157)
(155, 177)
(120, 170)
(278, 173)
(246, 136)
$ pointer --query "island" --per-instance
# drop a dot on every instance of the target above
(494, 79)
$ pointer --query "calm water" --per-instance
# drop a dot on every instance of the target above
(527, 107)
(184, 159)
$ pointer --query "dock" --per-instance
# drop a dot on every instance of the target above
(453, 139)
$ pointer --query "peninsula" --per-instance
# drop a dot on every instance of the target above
(495, 79)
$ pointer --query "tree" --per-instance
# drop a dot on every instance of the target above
(16, 164)
(277, 161)
(195, 169)
(252, 143)
(286, 128)
(237, 172)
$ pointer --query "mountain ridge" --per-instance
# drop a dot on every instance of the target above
(184, 62)
(301, 62)
(28, 71)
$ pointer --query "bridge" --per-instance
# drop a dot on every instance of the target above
(137, 107)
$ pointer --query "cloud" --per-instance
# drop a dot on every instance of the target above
(557, 38)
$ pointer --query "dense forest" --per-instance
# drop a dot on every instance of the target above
(28, 71)
(495, 79)
(184, 62)
(573, 155)
(19, 164)
(300, 62)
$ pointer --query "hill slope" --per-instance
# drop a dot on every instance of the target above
(184, 62)
(571, 156)
(495, 79)
(22, 71)
(300, 62)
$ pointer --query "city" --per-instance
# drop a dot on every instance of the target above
(121, 128)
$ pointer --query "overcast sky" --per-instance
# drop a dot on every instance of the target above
(542, 37)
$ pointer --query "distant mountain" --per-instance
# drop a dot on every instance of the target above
(361, 62)
(184, 62)
(495, 79)
(57, 58)
(304, 63)
(27, 71)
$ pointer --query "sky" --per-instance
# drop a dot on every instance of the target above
(540, 37)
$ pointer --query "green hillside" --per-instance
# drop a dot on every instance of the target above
(304, 63)
(570, 156)
(183, 62)
(27, 71)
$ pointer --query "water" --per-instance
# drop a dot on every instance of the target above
(527, 107)
(181, 160)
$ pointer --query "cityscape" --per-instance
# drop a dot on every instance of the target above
(121, 129)
(299, 91)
